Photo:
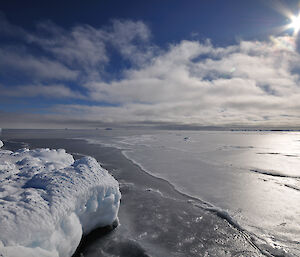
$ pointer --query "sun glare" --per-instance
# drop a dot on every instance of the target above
(295, 23)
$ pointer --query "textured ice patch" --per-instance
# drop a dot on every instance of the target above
(48, 200)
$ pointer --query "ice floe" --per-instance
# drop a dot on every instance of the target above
(48, 201)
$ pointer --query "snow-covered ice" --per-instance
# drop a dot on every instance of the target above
(48, 200)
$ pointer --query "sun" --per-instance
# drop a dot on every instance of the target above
(295, 23)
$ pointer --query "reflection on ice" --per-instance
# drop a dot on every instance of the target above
(252, 175)
(153, 225)
(216, 167)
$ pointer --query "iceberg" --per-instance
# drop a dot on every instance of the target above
(48, 201)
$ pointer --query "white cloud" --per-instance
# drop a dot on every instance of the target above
(80, 53)
(88, 48)
(81, 46)
(35, 67)
(50, 91)
(132, 40)
(249, 83)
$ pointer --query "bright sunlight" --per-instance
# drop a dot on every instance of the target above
(295, 23)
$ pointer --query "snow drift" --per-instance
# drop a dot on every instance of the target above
(48, 200)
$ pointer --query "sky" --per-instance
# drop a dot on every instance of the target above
(87, 64)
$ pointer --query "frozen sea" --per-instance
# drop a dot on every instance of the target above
(250, 179)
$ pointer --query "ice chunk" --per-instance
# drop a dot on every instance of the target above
(48, 200)
(1, 143)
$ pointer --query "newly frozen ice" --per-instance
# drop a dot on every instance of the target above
(251, 179)
(48, 200)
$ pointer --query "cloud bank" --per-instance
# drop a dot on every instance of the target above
(117, 74)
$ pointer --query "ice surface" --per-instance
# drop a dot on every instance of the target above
(48, 200)
(251, 178)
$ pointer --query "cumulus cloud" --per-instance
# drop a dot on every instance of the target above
(190, 82)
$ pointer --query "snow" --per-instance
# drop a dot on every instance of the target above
(48, 200)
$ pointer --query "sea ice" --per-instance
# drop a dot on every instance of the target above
(48, 200)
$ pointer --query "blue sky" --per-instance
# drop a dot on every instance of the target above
(207, 63)
(169, 20)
